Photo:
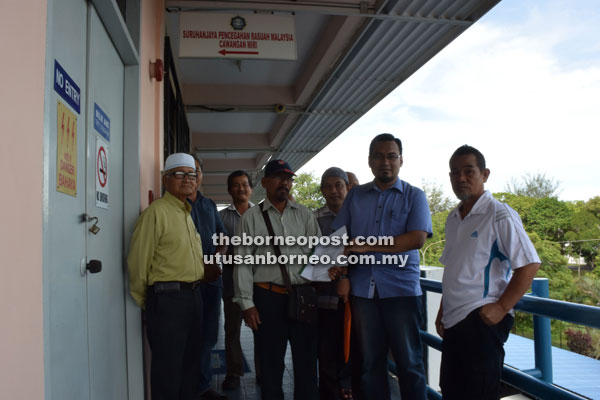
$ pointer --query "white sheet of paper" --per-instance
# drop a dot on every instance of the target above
(319, 272)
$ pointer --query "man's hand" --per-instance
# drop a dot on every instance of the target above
(212, 272)
(343, 289)
(251, 318)
(334, 272)
(356, 248)
(492, 313)
(521, 280)
(439, 327)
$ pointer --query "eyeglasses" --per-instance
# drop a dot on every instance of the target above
(181, 175)
(389, 157)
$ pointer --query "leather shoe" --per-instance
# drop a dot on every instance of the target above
(211, 394)
(231, 383)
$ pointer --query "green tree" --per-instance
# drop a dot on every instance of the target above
(534, 185)
(588, 291)
(550, 218)
(307, 191)
(433, 247)
(593, 206)
(436, 199)
(554, 267)
(584, 235)
(521, 204)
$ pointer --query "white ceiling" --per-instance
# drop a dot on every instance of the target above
(351, 54)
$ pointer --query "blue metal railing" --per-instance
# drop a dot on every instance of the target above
(538, 381)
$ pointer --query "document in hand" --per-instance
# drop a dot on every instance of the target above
(327, 256)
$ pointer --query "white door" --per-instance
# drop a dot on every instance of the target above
(84, 313)
(104, 201)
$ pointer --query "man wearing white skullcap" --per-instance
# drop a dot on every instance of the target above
(165, 269)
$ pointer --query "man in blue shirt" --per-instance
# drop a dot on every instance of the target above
(208, 222)
(386, 295)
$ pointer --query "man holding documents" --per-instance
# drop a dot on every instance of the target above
(261, 293)
(334, 378)
(386, 296)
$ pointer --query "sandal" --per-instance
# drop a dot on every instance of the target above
(346, 393)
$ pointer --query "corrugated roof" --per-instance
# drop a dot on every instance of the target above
(387, 53)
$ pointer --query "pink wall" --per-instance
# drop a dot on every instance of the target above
(21, 160)
(151, 104)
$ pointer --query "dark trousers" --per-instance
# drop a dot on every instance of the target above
(390, 324)
(211, 302)
(334, 373)
(472, 358)
(271, 339)
(174, 328)
(233, 348)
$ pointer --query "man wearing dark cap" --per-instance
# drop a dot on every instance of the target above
(262, 295)
(334, 374)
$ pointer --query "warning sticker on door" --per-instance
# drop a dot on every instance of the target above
(101, 173)
(66, 151)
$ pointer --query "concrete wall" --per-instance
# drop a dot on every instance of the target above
(151, 100)
(22, 115)
(21, 160)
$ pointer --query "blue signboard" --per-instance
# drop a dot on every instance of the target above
(66, 87)
(101, 122)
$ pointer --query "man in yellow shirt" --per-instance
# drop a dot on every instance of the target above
(165, 267)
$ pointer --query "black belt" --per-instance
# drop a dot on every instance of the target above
(273, 287)
(170, 287)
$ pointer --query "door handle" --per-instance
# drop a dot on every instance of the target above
(94, 266)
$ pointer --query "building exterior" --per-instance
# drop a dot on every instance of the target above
(67, 333)
(84, 123)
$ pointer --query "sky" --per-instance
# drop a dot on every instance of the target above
(522, 85)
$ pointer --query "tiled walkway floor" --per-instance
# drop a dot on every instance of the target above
(248, 389)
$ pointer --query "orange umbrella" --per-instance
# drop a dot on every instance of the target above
(347, 325)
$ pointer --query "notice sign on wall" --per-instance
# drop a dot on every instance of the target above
(260, 36)
(101, 173)
(66, 150)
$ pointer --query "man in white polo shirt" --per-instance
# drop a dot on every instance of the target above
(485, 242)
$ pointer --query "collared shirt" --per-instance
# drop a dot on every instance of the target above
(326, 291)
(480, 253)
(230, 217)
(369, 211)
(296, 220)
(165, 247)
(325, 218)
(207, 220)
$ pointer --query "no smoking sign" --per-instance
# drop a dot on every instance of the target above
(101, 173)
